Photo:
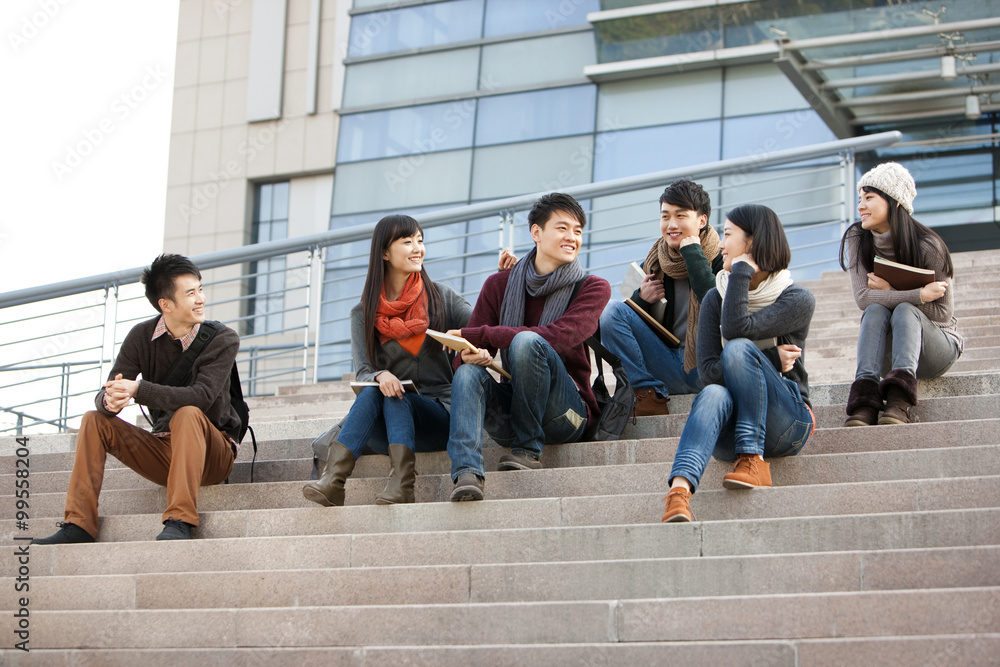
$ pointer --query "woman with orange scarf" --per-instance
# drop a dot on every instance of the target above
(389, 345)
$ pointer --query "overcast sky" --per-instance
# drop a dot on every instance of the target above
(86, 119)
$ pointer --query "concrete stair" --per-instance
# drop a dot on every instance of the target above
(875, 546)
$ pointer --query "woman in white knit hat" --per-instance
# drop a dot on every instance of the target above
(905, 333)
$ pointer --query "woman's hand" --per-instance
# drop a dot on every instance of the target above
(788, 354)
(507, 260)
(745, 257)
(874, 282)
(651, 290)
(476, 356)
(933, 291)
(389, 385)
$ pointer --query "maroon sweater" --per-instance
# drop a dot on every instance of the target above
(566, 334)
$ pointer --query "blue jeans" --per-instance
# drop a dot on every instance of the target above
(757, 412)
(375, 420)
(646, 359)
(902, 338)
(540, 404)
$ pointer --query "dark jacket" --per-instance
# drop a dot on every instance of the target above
(701, 277)
(208, 389)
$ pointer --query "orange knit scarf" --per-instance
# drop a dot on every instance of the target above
(405, 319)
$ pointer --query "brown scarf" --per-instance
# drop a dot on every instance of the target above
(405, 319)
(664, 260)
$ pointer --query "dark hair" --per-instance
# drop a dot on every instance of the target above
(770, 248)
(689, 196)
(387, 231)
(159, 276)
(548, 204)
(910, 240)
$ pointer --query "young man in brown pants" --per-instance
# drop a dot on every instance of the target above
(193, 442)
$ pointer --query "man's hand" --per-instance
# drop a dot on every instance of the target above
(389, 385)
(689, 240)
(476, 356)
(933, 291)
(874, 282)
(788, 354)
(118, 393)
(651, 290)
(507, 260)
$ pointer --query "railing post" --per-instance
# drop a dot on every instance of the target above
(64, 398)
(20, 424)
(320, 269)
(847, 206)
(309, 284)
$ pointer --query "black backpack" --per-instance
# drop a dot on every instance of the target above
(618, 408)
(180, 375)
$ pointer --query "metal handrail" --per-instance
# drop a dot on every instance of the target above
(259, 251)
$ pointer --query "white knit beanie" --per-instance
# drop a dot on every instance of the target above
(893, 179)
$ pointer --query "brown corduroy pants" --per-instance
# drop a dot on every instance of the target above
(194, 454)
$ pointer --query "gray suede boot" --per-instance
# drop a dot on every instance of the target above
(328, 490)
(399, 488)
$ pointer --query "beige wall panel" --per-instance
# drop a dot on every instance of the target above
(206, 155)
(189, 20)
(290, 143)
(238, 57)
(209, 114)
(320, 142)
(260, 150)
(186, 64)
(212, 60)
(234, 103)
(184, 106)
(181, 153)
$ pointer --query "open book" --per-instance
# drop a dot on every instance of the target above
(408, 386)
(901, 276)
(458, 344)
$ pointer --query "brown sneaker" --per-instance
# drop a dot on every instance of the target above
(678, 506)
(748, 473)
(648, 404)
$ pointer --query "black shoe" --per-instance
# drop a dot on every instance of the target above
(68, 533)
(521, 461)
(175, 529)
(468, 486)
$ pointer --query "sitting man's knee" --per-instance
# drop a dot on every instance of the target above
(186, 412)
(526, 341)
(613, 312)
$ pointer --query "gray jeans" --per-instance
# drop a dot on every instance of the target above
(902, 338)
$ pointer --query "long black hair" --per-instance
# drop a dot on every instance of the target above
(910, 240)
(387, 231)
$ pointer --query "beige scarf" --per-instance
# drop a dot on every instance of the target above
(763, 296)
(664, 260)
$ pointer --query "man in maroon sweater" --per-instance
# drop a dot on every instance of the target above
(193, 442)
(530, 314)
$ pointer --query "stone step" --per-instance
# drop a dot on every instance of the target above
(326, 540)
(291, 460)
(762, 617)
(973, 649)
(636, 476)
(631, 578)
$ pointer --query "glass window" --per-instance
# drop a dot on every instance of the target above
(423, 129)
(402, 183)
(678, 98)
(537, 166)
(509, 17)
(536, 115)
(415, 27)
(631, 152)
(270, 223)
(530, 61)
(743, 86)
(760, 135)
(412, 78)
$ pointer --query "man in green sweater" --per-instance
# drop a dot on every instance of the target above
(194, 439)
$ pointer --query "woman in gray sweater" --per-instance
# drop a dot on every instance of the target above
(919, 322)
(751, 335)
(389, 345)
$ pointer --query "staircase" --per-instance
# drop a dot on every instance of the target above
(876, 546)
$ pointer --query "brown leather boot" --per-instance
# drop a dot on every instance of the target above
(399, 488)
(648, 404)
(863, 403)
(678, 506)
(899, 389)
(749, 472)
(328, 490)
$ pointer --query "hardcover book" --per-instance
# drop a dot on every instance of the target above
(408, 386)
(900, 276)
(458, 344)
